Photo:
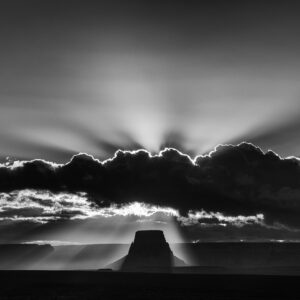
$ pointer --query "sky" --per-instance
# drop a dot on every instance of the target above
(102, 75)
(98, 76)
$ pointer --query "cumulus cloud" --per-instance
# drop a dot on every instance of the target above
(234, 184)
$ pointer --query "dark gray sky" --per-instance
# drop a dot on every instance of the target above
(98, 76)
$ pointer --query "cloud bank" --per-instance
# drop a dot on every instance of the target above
(236, 184)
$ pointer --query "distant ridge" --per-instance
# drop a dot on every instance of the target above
(22, 256)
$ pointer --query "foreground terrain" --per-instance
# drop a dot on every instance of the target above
(117, 285)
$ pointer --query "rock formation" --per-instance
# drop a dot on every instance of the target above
(149, 252)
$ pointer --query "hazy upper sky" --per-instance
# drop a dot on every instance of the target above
(98, 76)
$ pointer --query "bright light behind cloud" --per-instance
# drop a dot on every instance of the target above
(142, 100)
(137, 209)
(43, 206)
(149, 98)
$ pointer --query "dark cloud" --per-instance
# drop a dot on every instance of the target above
(233, 180)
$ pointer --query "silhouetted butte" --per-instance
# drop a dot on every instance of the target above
(149, 252)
